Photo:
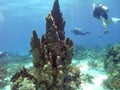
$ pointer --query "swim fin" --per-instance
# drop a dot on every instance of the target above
(115, 20)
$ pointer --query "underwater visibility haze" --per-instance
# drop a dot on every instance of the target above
(19, 18)
(58, 45)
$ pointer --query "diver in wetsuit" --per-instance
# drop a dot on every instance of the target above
(78, 31)
(100, 12)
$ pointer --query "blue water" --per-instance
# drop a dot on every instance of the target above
(19, 17)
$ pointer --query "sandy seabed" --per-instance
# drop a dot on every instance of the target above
(99, 76)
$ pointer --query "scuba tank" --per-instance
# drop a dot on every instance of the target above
(105, 8)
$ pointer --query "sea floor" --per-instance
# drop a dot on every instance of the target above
(98, 76)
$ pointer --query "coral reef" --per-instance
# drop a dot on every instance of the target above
(14, 62)
(14, 68)
(23, 81)
(3, 74)
(112, 67)
(113, 82)
(87, 78)
(72, 81)
(10, 58)
(113, 54)
(52, 58)
(54, 53)
(3, 56)
(96, 64)
(112, 59)
(81, 52)
(10, 63)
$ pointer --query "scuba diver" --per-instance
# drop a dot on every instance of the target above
(78, 31)
(100, 12)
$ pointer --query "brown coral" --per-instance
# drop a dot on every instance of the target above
(52, 55)
(23, 80)
(53, 49)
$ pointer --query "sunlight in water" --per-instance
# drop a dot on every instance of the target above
(1, 18)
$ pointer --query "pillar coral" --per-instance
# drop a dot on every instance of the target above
(53, 54)
(52, 69)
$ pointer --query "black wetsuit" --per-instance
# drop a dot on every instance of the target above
(99, 12)
(78, 32)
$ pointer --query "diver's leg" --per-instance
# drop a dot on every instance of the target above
(109, 21)
(104, 25)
